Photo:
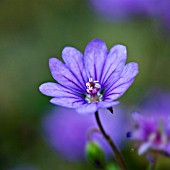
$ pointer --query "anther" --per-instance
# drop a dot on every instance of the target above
(92, 86)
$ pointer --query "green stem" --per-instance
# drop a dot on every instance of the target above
(153, 165)
(111, 143)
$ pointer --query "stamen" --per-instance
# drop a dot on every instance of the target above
(93, 88)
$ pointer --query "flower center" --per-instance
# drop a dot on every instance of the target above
(158, 137)
(93, 88)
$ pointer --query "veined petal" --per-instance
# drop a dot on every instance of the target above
(129, 72)
(56, 90)
(114, 64)
(119, 91)
(68, 101)
(119, 87)
(87, 108)
(64, 76)
(74, 61)
(94, 58)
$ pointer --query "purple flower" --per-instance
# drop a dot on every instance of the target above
(120, 9)
(152, 133)
(90, 81)
(152, 130)
(124, 9)
(159, 10)
(67, 132)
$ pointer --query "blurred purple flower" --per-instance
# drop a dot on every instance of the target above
(153, 133)
(159, 10)
(92, 81)
(67, 132)
(123, 9)
(152, 130)
(120, 9)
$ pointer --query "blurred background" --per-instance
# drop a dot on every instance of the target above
(33, 31)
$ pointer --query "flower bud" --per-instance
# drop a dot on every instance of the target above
(94, 154)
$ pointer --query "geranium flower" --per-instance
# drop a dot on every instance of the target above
(71, 144)
(92, 81)
(152, 128)
(152, 133)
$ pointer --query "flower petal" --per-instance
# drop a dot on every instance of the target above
(94, 106)
(106, 104)
(74, 61)
(63, 96)
(94, 58)
(64, 76)
(119, 87)
(87, 108)
(56, 90)
(143, 148)
(137, 117)
(168, 148)
(119, 91)
(114, 64)
(68, 101)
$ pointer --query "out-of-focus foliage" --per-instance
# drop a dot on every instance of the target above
(33, 31)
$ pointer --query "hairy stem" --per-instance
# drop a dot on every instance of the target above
(118, 156)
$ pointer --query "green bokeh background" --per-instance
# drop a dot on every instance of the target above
(33, 31)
